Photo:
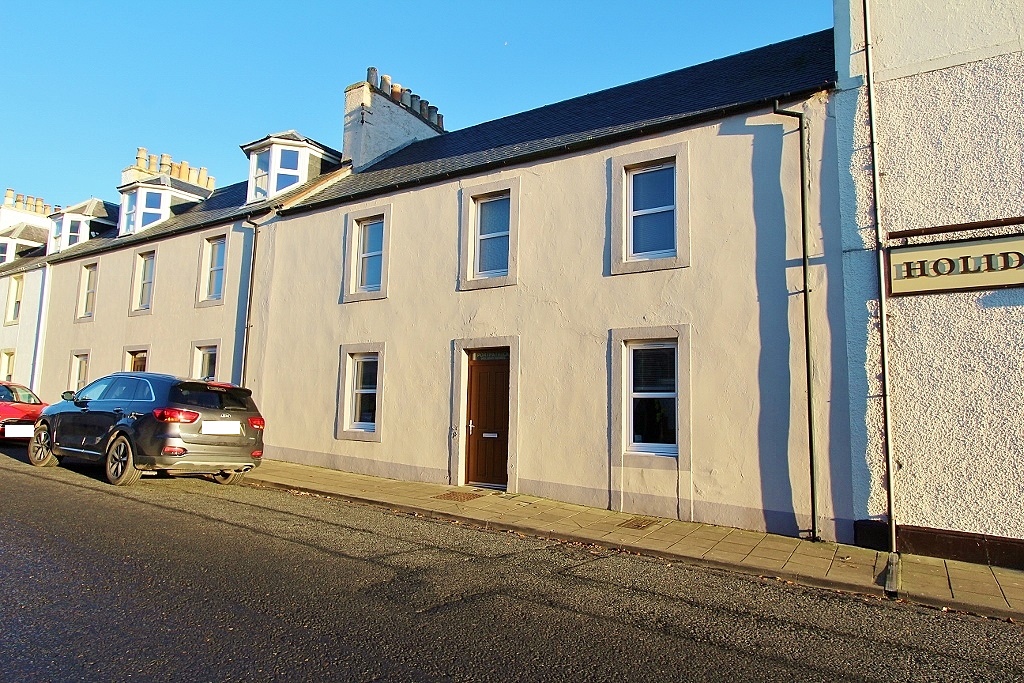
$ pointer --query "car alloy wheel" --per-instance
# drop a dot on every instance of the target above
(121, 463)
(40, 449)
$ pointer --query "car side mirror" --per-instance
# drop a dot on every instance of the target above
(68, 395)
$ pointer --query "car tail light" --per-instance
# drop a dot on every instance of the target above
(257, 454)
(173, 450)
(257, 422)
(175, 415)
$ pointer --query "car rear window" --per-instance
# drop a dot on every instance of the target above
(210, 396)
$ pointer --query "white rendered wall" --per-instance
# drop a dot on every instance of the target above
(21, 336)
(949, 106)
(748, 464)
(169, 330)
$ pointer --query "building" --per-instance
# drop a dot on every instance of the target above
(937, 114)
(599, 301)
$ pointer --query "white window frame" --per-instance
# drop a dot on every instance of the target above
(345, 425)
(624, 168)
(4, 249)
(15, 296)
(134, 210)
(624, 342)
(641, 447)
(140, 307)
(354, 223)
(471, 197)
(77, 379)
(85, 310)
(129, 206)
(206, 269)
(72, 222)
(274, 170)
(7, 358)
(200, 350)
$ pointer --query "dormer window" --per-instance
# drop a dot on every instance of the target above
(275, 169)
(74, 232)
(142, 208)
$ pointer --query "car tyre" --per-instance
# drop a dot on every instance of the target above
(121, 463)
(229, 478)
(40, 448)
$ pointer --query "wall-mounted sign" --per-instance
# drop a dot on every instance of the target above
(969, 264)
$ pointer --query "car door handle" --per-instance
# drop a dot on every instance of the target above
(119, 411)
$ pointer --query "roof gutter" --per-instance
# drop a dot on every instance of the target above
(588, 143)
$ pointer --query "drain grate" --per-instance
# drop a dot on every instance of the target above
(638, 523)
(459, 496)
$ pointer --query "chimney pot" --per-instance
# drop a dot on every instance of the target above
(440, 120)
(39, 204)
(154, 165)
(140, 157)
(175, 169)
(19, 201)
(423, 108)
(165, 163)
(385, 83)
(432, 114)
(30, 203)
(183, 170)
(9, 197)
(396, 92)
(371, 76)
(210, 182)
(406, 96)
(193, 176)
(47, 209)
(414, 103)
(201, 178)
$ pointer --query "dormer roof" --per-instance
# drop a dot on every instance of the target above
(26, 232)
(92, 208)
(290, 136)
(166, 182)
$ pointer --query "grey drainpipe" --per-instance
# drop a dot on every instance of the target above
(248, 302)
(892, 580)
(804, 229)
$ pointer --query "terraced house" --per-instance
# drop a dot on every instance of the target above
(751, 292)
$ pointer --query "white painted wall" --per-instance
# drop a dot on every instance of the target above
(376, 125)
(747, 465)
(949, 105)
(175, 323)
(20, 336)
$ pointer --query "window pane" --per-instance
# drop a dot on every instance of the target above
(654, 370)
(654, 420)
(290, 159)
(373, 237)
(366, 373)
(652, 189)
(365, 408)
(216, 285)
(654, 232)
(145, 294)
(494, 216)
(75, 228)
(153, 200)
(494, 254)
(285, 180)
(369, 275)
(130, 205)
(149, 217)
(209, 363)
(263, 162)
(217, 252)
(94, 390)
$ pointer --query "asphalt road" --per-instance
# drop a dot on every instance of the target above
(187, 580)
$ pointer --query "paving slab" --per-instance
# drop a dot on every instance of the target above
(992, 591)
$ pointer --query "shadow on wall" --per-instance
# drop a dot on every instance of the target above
(242, 308)
(774, 372)
(1002, 298)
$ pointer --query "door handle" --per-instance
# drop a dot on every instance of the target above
(119, 411)
(470, 426)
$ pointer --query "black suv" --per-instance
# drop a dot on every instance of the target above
(135, 421)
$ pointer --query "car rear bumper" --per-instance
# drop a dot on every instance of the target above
(199, 461)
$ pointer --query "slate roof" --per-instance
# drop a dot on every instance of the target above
(94, 208)
(782, 71)
(164, 180)
(26, 232)
(36, 258)
(294, 136)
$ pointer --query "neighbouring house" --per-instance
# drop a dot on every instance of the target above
(598, 301)
(935, 364)
(166, 286)
(25, 227)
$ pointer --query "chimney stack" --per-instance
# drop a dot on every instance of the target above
(9, 197)
(148, 165)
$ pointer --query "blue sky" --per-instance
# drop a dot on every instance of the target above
(86, 82)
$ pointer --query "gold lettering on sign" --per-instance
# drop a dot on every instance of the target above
(970, 264)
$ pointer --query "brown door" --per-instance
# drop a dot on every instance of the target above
(487, 417)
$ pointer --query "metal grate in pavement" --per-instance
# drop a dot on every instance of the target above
(638, 523)
(459, 496)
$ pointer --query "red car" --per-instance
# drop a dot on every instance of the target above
(19, 410)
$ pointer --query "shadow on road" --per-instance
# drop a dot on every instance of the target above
(18, 451)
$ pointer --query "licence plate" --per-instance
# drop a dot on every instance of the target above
(19, 431)
(221, 427)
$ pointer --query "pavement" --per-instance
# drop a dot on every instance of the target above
(977, 589)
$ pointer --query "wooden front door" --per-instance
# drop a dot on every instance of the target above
(487, 417)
